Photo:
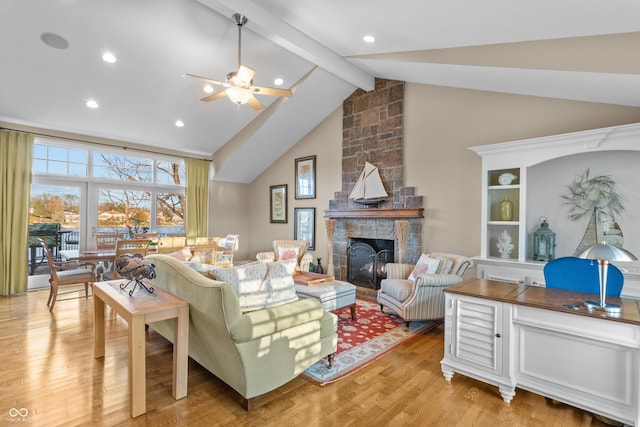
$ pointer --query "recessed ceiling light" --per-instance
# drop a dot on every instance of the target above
(278, 81)
(369, 38)
(92, 103)
(179, 123)
(54, 40)
(109, 57)
(208, 88)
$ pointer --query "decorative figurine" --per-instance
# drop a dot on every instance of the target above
(505, 245)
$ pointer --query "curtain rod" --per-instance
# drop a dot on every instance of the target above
(102, 144)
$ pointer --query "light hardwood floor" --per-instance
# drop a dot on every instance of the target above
(48, 368)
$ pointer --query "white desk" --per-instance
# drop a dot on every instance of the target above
(522, 336)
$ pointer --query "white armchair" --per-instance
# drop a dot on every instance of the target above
(421, 298)
(281, 247)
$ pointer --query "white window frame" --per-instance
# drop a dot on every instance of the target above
(90, 186)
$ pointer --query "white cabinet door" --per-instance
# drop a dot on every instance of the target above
(477, 331)
(477, 342)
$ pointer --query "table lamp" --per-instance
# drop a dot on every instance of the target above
(603, 253)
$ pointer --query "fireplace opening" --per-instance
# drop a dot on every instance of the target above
(366, 259)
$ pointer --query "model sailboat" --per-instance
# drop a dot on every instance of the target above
(369, 190)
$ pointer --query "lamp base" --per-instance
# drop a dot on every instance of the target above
(609, 308)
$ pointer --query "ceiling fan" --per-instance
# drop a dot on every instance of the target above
(238, 85)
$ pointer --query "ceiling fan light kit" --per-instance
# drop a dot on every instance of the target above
(238, 84)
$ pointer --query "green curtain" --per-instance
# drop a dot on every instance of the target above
(197, 209)
(16, 154)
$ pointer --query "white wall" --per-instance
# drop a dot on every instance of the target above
(440, 124)
(325, 142)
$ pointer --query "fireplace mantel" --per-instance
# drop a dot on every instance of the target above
(375, 213)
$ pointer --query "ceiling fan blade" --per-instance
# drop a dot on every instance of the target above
(213, 97)
(215, 82)
(254, 103)
(246, 74)
(271, 91)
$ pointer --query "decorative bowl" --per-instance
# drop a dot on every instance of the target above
(506, 178)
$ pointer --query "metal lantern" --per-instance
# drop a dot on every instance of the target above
(544, 242)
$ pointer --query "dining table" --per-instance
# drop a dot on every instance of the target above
(104, 258)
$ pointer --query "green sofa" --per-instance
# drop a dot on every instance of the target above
(253, 352)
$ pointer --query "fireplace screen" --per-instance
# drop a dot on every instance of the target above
(366, 259)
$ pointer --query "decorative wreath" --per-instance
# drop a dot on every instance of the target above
(586, 194)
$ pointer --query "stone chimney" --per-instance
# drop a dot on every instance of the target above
(373, 131)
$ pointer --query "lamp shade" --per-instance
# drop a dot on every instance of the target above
(238, 95)
(607, 252)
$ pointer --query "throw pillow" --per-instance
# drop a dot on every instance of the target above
(183, 254)
(425, 265)
(446, 264)
(285, 254)
(260, 285)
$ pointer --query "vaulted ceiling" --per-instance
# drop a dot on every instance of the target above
(583, 50)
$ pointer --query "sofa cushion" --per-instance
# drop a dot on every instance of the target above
(183, 254)
(262, 323)
(260, 285)
(199, 267)
(425, 265)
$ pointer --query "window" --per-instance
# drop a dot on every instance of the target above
(171, 173)
(124, 211)
(127, 192)
(53, 160)
(121, 167)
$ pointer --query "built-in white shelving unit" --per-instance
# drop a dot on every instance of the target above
(544, 159)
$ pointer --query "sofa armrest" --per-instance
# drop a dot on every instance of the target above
(438, 280)
(266, 256)
(265, 322)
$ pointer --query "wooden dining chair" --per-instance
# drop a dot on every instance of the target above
(226, 248)
(205, 250)
(107, 241)
(67, 273)
(166, 245)
(149, 236)
(128, 247)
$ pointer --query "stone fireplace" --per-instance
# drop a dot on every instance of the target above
(373, 131)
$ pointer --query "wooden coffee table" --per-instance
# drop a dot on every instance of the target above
(137, 310)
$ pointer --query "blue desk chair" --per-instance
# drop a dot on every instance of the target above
(581, 275)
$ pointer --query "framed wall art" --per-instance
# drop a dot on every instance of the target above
(278, 203)
(306, 177)
(304, 227)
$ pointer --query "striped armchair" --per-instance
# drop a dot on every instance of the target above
(422, 298)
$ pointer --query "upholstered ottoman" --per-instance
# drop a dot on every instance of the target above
(332, 295)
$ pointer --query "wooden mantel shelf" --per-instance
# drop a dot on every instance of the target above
(375, 213)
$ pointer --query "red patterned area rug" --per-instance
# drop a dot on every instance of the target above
(364, 340)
